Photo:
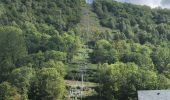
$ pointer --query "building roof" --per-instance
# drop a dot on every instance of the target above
(154, 95)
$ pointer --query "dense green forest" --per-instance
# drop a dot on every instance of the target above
(42, 42)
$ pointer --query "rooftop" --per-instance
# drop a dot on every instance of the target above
(154, 95)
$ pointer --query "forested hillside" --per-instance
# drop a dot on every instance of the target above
(43, 42)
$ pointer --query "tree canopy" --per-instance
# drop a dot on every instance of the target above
(125, 47)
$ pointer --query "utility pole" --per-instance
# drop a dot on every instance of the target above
(82, 77)
(82, 71)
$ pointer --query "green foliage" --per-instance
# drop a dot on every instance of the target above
(141, 22)
(103, 52)
(66, 43)
(55, 55)
(12, 43)
(12, 48)
(161, 58)
(62, 14)
(122, 81)
(46, 35)
(22, 79)
(41, 29)
(58, 65)
(49, 84)
(8, 92)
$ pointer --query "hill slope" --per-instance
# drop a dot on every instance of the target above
(42, 43)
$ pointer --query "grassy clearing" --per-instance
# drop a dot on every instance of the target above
(78, 83)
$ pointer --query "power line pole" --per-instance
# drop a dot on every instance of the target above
(82, 87)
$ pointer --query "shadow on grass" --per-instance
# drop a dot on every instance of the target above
(96, 97)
